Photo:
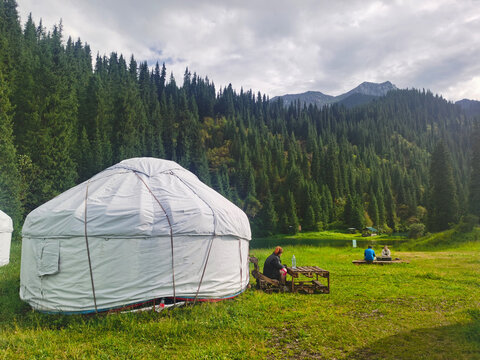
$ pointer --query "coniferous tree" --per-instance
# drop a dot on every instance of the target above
(267, 219)
(474, 198)
(358, 216)
(391, 212)
(332, 168)
(85, 157)
(284, 226)
(309, 220)
(373, 210)
(10, 186)
(443, 207)
(130, 124)
(291, 213)
(353, 213)
(327, 204)
(381, 209)
(10, 39)
(26, 87)
(348, 211)
(50, 139)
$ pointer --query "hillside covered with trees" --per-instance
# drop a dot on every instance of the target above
(64, 117)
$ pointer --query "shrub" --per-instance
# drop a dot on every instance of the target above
(416, 230)
(467, 223)
(319, 226)
(421, 213)
(385, 229)
(337, 225)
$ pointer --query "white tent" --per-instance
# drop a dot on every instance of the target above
(142, 229)
(6, 228)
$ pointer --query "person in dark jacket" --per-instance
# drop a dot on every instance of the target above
(273, 268)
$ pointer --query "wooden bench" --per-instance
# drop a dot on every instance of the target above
(380, 262)
(263, 282)
(296, 284)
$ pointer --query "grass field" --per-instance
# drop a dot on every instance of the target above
(428, 309)
(328, 238)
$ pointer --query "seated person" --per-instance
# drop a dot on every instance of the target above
(273, 268)
(369, 254)
(386, 255)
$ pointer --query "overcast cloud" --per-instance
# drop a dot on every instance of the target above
(285, 46)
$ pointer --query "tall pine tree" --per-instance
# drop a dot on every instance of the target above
(9, 175)
(443, 207)
(474, 198)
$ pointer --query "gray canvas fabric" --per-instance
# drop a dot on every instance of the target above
(6, 229)
(129, 241)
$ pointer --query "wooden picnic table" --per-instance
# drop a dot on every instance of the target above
(309, 286)
(379, 262)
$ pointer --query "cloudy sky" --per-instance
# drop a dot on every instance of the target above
(286, 46)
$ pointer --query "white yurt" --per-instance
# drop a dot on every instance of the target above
(6, 229)
(143, 229)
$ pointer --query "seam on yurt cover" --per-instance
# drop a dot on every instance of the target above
(131, 168)
(135, 170)
(213, 236)
(88, 249)
(98, 177)
(171, 231)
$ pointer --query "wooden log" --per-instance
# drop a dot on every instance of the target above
(375, 262)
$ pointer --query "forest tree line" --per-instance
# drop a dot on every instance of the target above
(64, 118)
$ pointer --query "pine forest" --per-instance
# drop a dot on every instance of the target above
(396, 163)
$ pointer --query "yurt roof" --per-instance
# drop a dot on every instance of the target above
(139, 197)
(6, 224)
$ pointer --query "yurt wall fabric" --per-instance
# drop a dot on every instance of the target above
(6, 229)
(130, 219)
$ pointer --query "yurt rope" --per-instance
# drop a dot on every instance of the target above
(171, 234)
(203, 272)
(240, 252)
(88, 250)
(213, 236)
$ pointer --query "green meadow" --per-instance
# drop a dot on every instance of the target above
(427, 309)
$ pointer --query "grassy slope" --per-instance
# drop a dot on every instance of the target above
(427, 309)
(337, 235)
(444, 240)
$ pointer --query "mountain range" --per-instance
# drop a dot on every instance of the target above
(471, 107)
(363, 93)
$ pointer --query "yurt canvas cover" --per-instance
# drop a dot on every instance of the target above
(142, 229)
(6, 228)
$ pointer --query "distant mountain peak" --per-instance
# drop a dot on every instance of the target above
(471, 107)
(385, 86)
(367, 91)
(371, 89)
(386, 83)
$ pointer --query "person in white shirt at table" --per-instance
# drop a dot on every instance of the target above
(386, 252)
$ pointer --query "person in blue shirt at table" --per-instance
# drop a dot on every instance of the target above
(369, 254)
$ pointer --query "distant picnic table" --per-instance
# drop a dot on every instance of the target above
(380, 262)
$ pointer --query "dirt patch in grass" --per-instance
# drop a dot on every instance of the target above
(285, 344)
